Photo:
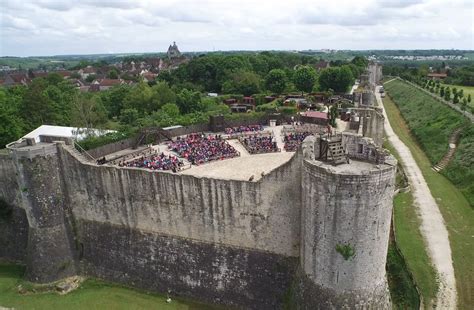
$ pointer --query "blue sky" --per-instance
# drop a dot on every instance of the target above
(56, 27)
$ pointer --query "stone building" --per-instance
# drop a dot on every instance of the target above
(173, 51)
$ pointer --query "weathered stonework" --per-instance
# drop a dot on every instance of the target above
(237, 243)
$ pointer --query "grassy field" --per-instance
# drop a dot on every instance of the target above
(93, 294)
(456, 211)
(431, 124)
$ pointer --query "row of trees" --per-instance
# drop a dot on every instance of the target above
(444, 91)
(264, 72)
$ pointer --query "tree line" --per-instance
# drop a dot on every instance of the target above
(175, 97)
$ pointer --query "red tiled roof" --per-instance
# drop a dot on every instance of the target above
(437, 75)
(19, 78)
(40, 74)
(63, 73)
(316, 114)
(110, 82)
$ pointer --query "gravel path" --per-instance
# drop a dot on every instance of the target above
(432, 227)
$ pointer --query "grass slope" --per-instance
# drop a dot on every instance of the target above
(402, 291)
(456, 211)
(411, 244)
(93, 294)
(432, 123)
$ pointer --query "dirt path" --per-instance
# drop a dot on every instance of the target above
(432, 227)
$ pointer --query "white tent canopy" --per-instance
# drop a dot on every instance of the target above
(62, 131)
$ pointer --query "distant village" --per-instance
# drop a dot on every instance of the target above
(100, 78)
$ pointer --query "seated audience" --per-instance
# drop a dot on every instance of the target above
(155, 162)
(256, 144)
(241, 129)
(199, 149)
(293, 140)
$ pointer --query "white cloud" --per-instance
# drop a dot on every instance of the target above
(34, 27)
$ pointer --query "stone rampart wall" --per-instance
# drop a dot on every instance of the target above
(262, 215)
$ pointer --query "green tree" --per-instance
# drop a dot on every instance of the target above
(171, 109)
(54, 78)
(36, 105)
(456, 98)
(139, 98)
(113, 74)
(11, 125)
(337, 78)
(129, 116)
(304, 79)
(162, 94)
(360, 61)
(276, 81)
(113, 99)
(469, 98)
(90, 78)
(88, 112)
(188, 101)
(464, 104)
(441, 91)
(242, 82)
(447, 94)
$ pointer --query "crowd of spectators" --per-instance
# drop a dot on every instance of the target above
(199, 149)
(155, 162)
(293, 140)
(241, 129)
(256, 144)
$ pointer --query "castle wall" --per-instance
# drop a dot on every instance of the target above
(221, 241)
(49, 251)
(13, 221)
(261, 215)
(210, 272)
(352, 211)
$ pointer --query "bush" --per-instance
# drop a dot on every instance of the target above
(93, 142)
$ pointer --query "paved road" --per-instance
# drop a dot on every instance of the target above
(432, 227)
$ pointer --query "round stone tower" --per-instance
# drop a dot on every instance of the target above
(346, 212)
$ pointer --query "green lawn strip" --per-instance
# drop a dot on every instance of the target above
(402, 290)
(456, 210)
(93, 294)
(410, 241)
(411, 244)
